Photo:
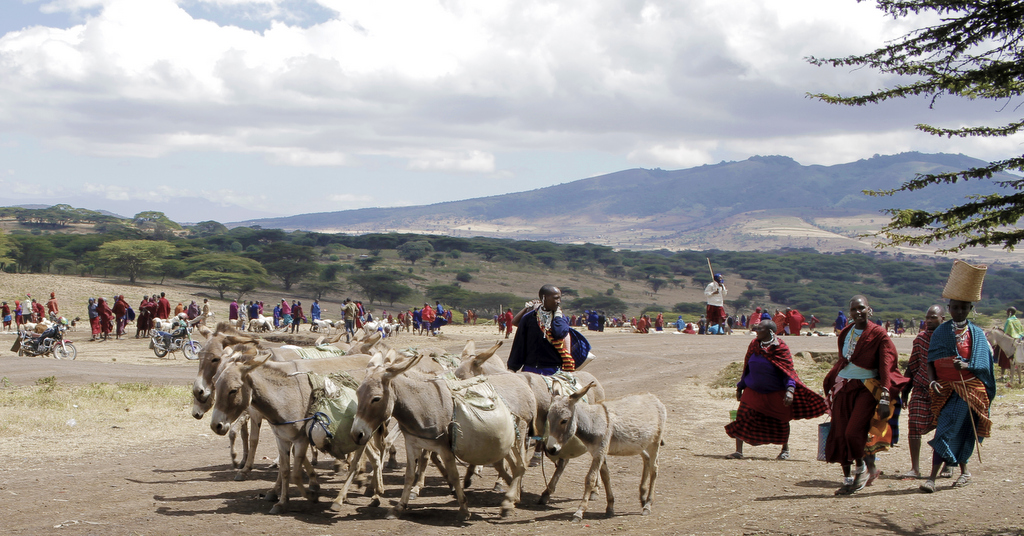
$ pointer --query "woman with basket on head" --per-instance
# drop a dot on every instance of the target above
(961, 378)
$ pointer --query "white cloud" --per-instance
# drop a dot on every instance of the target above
(447, 85)
(350, 198)
(472, 161)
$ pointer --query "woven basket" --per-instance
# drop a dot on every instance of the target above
(964, 283)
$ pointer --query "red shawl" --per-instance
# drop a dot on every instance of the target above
(874, 350)
(806, 403)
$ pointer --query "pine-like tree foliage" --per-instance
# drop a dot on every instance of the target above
(975, 51)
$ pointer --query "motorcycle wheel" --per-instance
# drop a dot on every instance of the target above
(68, 351)
(191, 350)
(159, 350)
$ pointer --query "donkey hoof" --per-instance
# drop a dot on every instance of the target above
(577, 518)
(239, 477)
(499, 488)
(392, 514)
(646, 511)
(463, 515)
(336, 507)
(276, 509)
(609, 512)
(412, 496)
(544, 498)
(374, 503)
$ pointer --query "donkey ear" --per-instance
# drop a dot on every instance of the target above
(399, 368)
(469, 350)
(575, 397)
(489, 352)
(205, 332)
(556, 389)
(238, 339)
(319, 340)
(252, 365)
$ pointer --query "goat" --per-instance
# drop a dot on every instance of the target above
(622, 427)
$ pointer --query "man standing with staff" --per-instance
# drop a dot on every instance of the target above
(715, 293)
(961, 378)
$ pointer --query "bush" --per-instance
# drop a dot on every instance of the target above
(463, 277)
(689, 308)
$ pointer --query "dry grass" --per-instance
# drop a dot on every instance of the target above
(96, 418)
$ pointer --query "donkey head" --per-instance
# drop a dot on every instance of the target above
(562, 419)
(375, 400)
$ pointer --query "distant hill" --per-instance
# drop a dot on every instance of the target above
(643, 208)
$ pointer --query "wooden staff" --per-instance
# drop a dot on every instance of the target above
(970, 414)
(710, 269)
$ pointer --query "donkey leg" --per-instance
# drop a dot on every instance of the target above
(653, 475)
(606, 479)
(284, 452)
(255, 423)
(412, 455)
(517, 463)
(448, 459)
(559, 467)
(352, 469)
(420, 465)
(588, 486)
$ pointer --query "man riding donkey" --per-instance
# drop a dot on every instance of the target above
(770, 394)
(542, 343)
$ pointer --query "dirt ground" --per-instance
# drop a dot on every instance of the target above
(174, 476)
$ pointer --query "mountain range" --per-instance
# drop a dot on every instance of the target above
(764, 202)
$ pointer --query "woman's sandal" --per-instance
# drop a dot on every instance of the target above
(784, 455)
(964, 480)
(735, 456)
(946, 472)
(859, 481)
(928, 486)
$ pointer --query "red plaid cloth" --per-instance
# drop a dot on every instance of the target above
(920, 413)
(756, 428)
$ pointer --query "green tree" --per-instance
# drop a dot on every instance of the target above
(415, 250)
(975, 50)
(225, 281)
(225, 263)
(381, 285)
(63, 266)
(288, 262)
(134, 257)
(154, 217)
(326, 282)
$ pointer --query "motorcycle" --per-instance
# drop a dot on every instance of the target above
(181, 342)
(49, 342)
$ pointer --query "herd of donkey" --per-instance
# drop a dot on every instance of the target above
(362, 396)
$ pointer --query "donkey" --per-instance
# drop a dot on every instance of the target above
(272, 390)
(212, 358)
(423, 407)
(622, 427)
(480, 364)
(512, 388)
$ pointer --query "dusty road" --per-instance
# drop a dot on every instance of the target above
(180, 481)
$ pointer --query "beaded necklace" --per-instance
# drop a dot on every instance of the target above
(852, 342)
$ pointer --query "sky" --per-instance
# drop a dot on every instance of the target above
(231, 109)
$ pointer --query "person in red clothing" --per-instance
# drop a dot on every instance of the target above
(428, 316)
(780, 320)
(794, 320)
(858, 389)
(106, 316)
(920, 407)
(38, 313)
(643, 324)
(508, 322)
(770, 394)
(5, 312)
(163, 307)
(51, 306)
(120, 310)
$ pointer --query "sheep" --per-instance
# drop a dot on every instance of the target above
(623, 427)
